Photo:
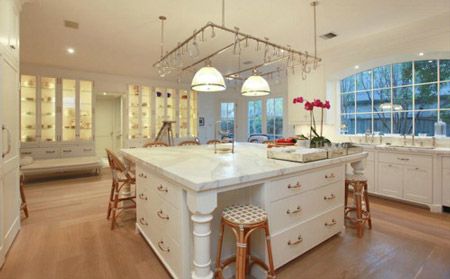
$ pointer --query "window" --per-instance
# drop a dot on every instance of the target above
(254, 117)
(227, 118)
(274, 123)
(403, 98)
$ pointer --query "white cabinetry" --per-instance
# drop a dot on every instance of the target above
(390, 179)
(56, 117)
(9, 122)
(446, 181)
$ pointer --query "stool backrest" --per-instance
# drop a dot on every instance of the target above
(117, 166)
(189, 142)
(155, 144)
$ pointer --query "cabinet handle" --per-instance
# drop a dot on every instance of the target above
(8, 137)
(162, 189)
(330, 176)
(297, 185)
(161, 215)
(67, 150)
(50, 151)
(298, 241)
(26, 153)
(142, 175)
(330, 197)
(143, 197)
(161, 246)
(143, 222)
(12, 47)
(87, 150)
(297, 210)
(403, 159)
(330, 224)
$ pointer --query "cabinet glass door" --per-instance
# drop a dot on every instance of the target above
(193, 114)
(160, 109)
(171, 96)
(146, 112)
(48, 109)
(184, 113)
(133, 111)
(85, 110)
(28, 108)
(69, 109)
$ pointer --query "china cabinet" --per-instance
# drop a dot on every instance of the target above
(9, 123)
(56, 117)
(148, 107)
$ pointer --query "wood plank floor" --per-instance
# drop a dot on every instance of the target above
(67, 236)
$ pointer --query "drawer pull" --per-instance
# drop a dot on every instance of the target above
(297, 210)
(330, 224)
(330, 197)
(297, 185)
(331, 175)
(143, 197)
(403, 159)
(50, 152)
(161, 215)
(26, 153)
(67, 150)
(161, 246)
(298, 241)
(162, 189)
(143, 222)
(87, 150)
(142, 175)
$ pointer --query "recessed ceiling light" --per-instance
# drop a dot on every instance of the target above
(356, 67)
(421, 53)
(70, 50)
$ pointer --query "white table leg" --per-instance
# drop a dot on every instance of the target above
(201, 205)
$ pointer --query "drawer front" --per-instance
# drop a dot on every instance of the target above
(46, 153)
(164, 216)
(286, 187)
(87, 151)
(291, 211)
(406, 159)
(170, 252)
(24, 152)
(292, 243)
(165, 190)
(72, 151)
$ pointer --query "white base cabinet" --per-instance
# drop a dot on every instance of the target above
(445, 181)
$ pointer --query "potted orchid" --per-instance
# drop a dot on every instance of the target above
(317, 139)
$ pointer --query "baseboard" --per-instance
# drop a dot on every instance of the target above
(436, 208)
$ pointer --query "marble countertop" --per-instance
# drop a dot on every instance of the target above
(199, 169)
(407, 148)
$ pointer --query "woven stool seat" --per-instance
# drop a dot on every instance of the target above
(355, 177)
(244, 214)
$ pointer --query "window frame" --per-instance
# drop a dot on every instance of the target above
(353, 90)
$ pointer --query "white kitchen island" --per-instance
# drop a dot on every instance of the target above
(182, 190)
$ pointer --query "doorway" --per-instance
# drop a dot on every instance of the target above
(108, 122)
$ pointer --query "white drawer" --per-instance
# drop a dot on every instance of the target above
(167, 191)
(290, 244)
(41, 153)
(291, 211)
(164, 216)
(283, 188)
(170, 252)
(406, 159)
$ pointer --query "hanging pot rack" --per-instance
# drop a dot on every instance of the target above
(294, 57)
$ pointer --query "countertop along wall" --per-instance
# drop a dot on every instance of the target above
(119, 84)
(431, 36)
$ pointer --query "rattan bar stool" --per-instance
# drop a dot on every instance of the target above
(361, 203)
(243, 221)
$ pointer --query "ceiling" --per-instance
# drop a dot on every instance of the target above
(123, 37)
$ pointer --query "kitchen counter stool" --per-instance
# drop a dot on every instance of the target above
(243, 221)
(361, 203)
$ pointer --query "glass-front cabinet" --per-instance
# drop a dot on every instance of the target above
(148, 107)
(28, 105)
(55, 110)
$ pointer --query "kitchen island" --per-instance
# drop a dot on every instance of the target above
(181, 192)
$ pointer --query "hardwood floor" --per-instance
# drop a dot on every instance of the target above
(67, 236)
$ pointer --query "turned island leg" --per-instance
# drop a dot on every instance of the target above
(201, 205)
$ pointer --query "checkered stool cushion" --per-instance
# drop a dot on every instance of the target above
(244, 214)
(355, 177)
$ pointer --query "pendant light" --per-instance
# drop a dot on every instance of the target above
(208, 79)
(255, 85)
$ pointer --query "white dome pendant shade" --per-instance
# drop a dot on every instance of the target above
(208, 79)
(255, 85)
